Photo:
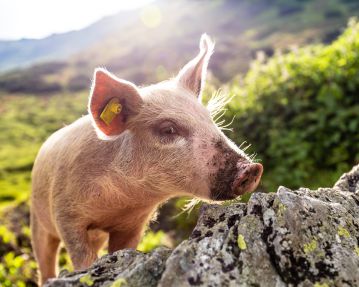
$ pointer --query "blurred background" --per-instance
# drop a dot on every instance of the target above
(292, 67)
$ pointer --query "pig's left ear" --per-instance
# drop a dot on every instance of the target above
(193, 74)
(112, 103)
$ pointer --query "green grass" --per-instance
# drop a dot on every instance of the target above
(25, 123)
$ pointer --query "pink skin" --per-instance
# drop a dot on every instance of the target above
(94, 181)
(247, 178)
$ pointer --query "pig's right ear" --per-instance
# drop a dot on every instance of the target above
(112, 102)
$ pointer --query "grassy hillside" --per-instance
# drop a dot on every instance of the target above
(25, 122)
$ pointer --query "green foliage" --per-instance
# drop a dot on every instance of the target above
(17, 265)
(151, 240)
(16, 270)
(33, 79)
(25, 123)
(6, 235)
(300, 112)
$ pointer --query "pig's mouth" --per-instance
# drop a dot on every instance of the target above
(236, 179)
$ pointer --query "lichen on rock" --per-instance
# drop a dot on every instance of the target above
(289, 238)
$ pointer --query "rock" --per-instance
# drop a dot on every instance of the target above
(122, 268)
(349, 181)
(289, 238)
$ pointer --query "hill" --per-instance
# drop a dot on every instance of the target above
(24, 52)
(151, 43)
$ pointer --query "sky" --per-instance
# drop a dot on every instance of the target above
(41, 18)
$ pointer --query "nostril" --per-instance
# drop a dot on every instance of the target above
(256, 169)
(251, 173)
(248, 177)
(244, 182)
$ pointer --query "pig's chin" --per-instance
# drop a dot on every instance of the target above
(228, 192)
(224, 196)
(234, 192)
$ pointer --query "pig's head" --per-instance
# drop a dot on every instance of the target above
(166, 139)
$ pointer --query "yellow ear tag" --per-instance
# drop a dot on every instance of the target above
(112, 109)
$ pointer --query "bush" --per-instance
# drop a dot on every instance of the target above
(33, 79)
(152, 240)
(17, 262)
(17, 265)
(78, 83)
(300, 111)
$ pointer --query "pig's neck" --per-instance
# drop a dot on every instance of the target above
(138, 192)
(131, 188)
(140, 186)
(122, 202)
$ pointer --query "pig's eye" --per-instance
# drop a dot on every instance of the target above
(168, 129)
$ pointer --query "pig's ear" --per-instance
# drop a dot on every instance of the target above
(112, 102)
(193, 74)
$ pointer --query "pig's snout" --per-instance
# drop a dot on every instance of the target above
(247, 177)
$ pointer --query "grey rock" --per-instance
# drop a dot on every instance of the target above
(122, 268)
(289, 238)
(349, 181)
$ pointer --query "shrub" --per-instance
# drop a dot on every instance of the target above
(78, 83)
(17, 263)
(151, 240)
(300, 112)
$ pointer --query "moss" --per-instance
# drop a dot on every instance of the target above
(357, 250)
(241, 242)
(87, 280)
(343, 232)
(281, 209)
(318, 284)
(310, 247)
(119, 282)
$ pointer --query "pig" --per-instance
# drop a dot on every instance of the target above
(101, 178)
